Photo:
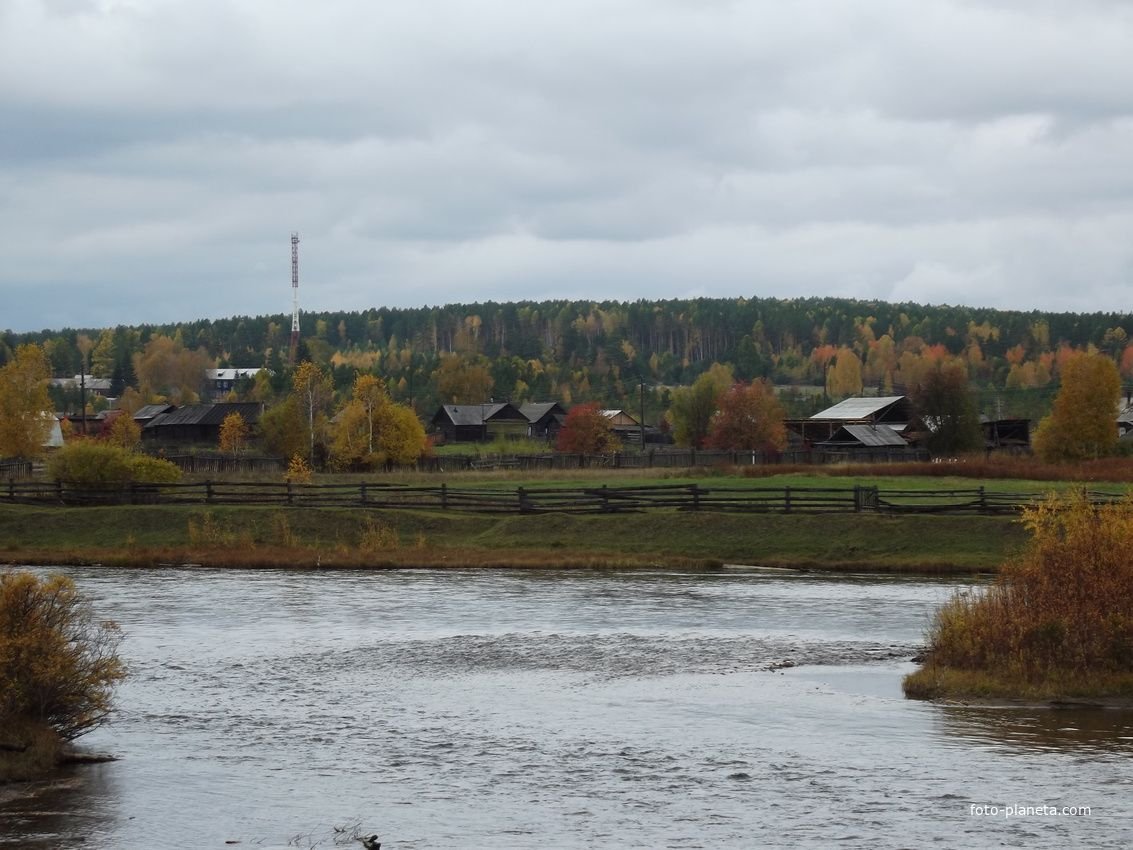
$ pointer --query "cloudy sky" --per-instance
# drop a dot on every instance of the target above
(155, 155)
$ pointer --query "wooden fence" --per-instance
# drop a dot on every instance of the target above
(529, 500)
(666, 459)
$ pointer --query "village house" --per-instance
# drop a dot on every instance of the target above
(544, 419)
(195, 424)
(479, 423)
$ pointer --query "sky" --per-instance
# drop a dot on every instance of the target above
(156, 155)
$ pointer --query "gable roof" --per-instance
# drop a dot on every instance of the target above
(536, 410)
(861, 408)
(478, 414)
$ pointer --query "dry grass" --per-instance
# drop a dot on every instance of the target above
(1113, 469)
(1058, 621)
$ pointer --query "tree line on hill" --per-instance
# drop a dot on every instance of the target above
(619, 352)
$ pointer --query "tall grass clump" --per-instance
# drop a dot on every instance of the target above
(1057, 622)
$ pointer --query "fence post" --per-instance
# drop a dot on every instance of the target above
(208, 492)
(444, 496)
(605, 500)
(290, 493)
(695, 497)
(11, 488)
(983, 500)
(362, 488)
(59, 489)
(857, 498)
(524, 507)
(786, 500)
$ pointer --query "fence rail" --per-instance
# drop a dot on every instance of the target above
(601, 499)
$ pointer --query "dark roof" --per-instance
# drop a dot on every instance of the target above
(865, 435)
(149, 411)
(207, 414)
(478, 414)
(536, 410)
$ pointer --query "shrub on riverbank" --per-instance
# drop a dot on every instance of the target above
(86, 463)
(58, 668)
(1058, 621)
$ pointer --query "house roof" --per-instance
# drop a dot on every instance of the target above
(478, 414)
(619, 414)
(859, 408)
(233, 374)
(149, 411)
(536, 410)
(865, 435)
(206, 414)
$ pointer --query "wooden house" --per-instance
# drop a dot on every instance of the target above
(479, 423)
(544, 419)
(221, 382)
(197, 423)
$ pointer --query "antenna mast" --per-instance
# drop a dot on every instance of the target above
(295, 299)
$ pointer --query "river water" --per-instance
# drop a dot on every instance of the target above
(488, 709)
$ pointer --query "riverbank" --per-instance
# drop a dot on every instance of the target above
(328, 538)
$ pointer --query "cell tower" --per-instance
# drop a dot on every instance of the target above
(295, 299)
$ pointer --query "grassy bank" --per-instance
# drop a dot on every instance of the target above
(255, 536)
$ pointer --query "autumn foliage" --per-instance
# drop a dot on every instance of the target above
(750, 417)
(1082, 424)
(1058, 620)
(58, 664)
(587, 431)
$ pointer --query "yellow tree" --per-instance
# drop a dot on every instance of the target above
(845, 379)
(370, 391)
(25, 406)
(402, 439)
(234, 433)
(314, 391)
(124, 432)
(58, 664)
(459, 382)
(166, 369)
(1083, 422)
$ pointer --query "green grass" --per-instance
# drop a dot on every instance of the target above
(265, 535)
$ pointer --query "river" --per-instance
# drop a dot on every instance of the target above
(495, 709)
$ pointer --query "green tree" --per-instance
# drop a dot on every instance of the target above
(58, 664)
(750, 418)
(25, 405)
(948, 407)
(586, 431)
(1083, 421)
(692, 408)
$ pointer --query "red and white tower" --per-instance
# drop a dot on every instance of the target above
(295, 299)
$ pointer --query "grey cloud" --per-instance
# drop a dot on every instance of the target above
(444, 151)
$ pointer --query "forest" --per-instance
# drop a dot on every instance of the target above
(624, 353)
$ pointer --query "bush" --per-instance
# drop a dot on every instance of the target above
(96, 465)
(58, 664)
(1059, 619)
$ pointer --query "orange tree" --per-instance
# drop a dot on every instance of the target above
(587, 431)
(750, 418)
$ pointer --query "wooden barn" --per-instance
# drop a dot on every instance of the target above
(894, 412)
(544, 419)
(479, 423)
(197, 423)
